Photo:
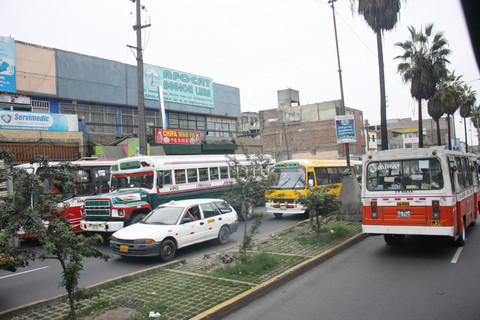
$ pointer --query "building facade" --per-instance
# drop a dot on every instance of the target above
(103, 95)
(307, 131)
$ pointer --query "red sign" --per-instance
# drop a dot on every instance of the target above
(177, 136)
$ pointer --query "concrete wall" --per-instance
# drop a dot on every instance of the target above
(36, 68)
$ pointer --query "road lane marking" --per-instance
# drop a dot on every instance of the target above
(19, 273)
(457, 255)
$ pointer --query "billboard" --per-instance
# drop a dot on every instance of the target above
(177, 86)
(167, 136)
(345, 126)
(8, 80)
(18, 120)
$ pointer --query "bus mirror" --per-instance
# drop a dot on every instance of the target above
(310, 182)
(454, 168)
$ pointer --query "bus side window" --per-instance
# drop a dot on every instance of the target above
(322, 176)
(180, 176)
(311, 179)
(192, 175)
(213, 173)
(203, 173)
(223, 173)
(334, 175)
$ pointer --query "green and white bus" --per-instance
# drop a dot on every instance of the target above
(139, 184)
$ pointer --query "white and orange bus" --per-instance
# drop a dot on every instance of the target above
(429, 191)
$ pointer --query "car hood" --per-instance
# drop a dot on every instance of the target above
(143, 231)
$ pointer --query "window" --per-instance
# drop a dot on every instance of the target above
(209, 210)
(223, 172)
(221, 128)
(91, 113)
(334, 175)
(322, 176)
(418, 174)
(165, 177)
(192, 175)
(40, 106)
(180, 176)
(223, 206)
(213, 173)
(186, 121)
(203, 173)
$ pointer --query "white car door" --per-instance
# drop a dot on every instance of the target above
(213, 219)
(191, 232)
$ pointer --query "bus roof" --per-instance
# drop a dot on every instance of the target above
(317, 162)
(413, 153)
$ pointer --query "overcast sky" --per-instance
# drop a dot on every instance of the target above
(259, 46)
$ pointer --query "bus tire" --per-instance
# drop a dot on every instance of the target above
(224, 235)
(463, 236)
(167, 250)
(278, 215)
(394, 239)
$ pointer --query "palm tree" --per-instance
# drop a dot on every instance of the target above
(468, 99)
(449, 97)
(435, 111)
(475, 118)
(380, 15)
(424, 65)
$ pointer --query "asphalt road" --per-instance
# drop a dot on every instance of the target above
(426, 278)
(40, 279)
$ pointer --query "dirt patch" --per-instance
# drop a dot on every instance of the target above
(116, 314)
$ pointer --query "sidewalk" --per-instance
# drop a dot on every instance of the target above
(194, 289)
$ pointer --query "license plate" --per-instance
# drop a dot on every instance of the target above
(283, 206)
(123, 248)
(96, 226)
(436, 223)
(404, 213)
(403, 204)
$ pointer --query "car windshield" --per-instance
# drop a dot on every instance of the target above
(138, 180)
(164, 215)
(289, 178)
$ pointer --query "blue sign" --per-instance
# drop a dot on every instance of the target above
(38, 121)
(345, 126)
(177, 86)
(8, 80)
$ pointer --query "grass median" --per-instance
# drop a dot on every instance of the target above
(187, 288)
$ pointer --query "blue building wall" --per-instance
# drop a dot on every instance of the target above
(87, 78)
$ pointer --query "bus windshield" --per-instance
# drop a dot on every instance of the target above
(417, 174)
(289, 178)
(137, 180)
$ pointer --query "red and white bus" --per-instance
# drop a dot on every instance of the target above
(429, 191)
(93, 178)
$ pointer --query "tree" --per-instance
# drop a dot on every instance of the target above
(435, 111)
(33, 209)
(248, 190)
(380, 15)
(319, 202)
(467, 102)
(475, 118)
(449, 97)
(423, 65)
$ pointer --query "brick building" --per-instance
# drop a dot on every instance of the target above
(306, 131)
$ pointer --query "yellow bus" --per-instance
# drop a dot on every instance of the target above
(297, 176)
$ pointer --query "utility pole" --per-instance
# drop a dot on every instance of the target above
(142, 125)
(342, 102)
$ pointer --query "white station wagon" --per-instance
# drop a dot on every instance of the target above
(175, 225)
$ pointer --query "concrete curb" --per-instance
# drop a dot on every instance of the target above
(227, 307)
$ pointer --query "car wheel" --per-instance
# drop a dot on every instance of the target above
(224, 235)
(167, 250)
